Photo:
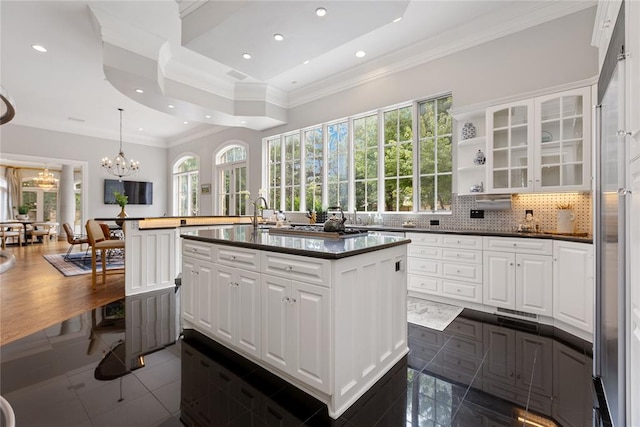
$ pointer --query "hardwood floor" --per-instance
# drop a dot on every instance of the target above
(34, 295)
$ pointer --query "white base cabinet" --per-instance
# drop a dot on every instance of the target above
(573, 290)
(295, 329)
(518, 276)
(330, 327)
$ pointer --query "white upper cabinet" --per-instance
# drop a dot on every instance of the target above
(541, 144)
(510, 147)
(562, 141)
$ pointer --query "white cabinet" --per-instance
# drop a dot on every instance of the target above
(197, 281)
(540, 144)
(518, 274)
(573, 285)
(445, 265)
(510, 147)
(562, 149)
(236, 304)
(295, 329)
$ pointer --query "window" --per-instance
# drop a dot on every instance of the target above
(434, 129)
(314, 168)
(393, 160)
(275, 172)
(292, 170)
(232, 190)
(365, 162)
(338, 164)
(185, 184)
(398, 159)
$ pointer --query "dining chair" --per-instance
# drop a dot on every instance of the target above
(99, 242)
(40, 229)
(10, 233)
(74, 239)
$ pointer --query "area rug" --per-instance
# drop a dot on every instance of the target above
(76, 265)
(431, 314)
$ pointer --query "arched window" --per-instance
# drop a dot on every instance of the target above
(185, 186)
(232, 189)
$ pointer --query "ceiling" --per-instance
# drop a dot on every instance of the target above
(188, 54)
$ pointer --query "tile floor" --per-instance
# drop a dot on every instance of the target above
(480, 371)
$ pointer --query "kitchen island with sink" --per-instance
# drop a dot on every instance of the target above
(326, 314)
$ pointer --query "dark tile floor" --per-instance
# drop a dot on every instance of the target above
(480, 371)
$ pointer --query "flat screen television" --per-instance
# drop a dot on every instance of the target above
(139, 192)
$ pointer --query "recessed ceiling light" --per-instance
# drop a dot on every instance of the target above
(185, 122)
(39, 48)
(321, 11)
(246, 55)
(398, 19)
(243, 122)
(306, 62)
(278, 37)
(139, 91)
(208, 116)
(140, 129)
(171, 106)
(361, 53)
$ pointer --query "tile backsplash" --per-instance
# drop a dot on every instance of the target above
(544, 208)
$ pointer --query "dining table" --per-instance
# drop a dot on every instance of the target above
(13, 223)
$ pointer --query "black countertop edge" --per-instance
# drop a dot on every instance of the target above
(144, 218)
(291, 251)
(577, 239)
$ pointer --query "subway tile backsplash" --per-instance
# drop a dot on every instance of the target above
(544, 208)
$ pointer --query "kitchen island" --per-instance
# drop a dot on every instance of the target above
(327, 315)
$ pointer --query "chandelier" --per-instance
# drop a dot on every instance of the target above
(46, 179)
(120, 166)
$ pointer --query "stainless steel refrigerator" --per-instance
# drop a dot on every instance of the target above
(609, 351)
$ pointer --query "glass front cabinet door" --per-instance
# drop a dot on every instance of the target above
(510, 135)
(562, 141)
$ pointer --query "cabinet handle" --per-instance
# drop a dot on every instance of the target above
(194, 250)
(196, 273)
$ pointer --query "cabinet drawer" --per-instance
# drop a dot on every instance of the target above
(462, 241)
(463, 291)
(461, 363)
(237, 257)
(424, 251)
(197, 250)
(466, 272)
(308, 270)
(428, 239)
(424, 266)
(519, 245)
(424, 284)
(464, 345)
(461, 255)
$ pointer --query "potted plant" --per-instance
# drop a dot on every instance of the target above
(122, 200)
(23, 212)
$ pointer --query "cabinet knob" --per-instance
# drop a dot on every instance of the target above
(515, 244)
(233, 257)
(511, 374)
(293, 300)
(194, 250)
(285, 299)
(289, 268)
(511, 264)
(518, 264)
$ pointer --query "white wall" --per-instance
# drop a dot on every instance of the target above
(60, 146)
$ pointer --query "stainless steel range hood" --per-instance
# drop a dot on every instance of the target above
(493, 202)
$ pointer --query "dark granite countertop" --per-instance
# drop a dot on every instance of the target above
(315, 247)
(580, 238)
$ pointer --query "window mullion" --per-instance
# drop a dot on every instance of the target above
(351, 177)
(303, 171)
(381, 181)
(325, 169)
(416, 157)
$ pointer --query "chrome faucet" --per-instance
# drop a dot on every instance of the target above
(255, 210)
